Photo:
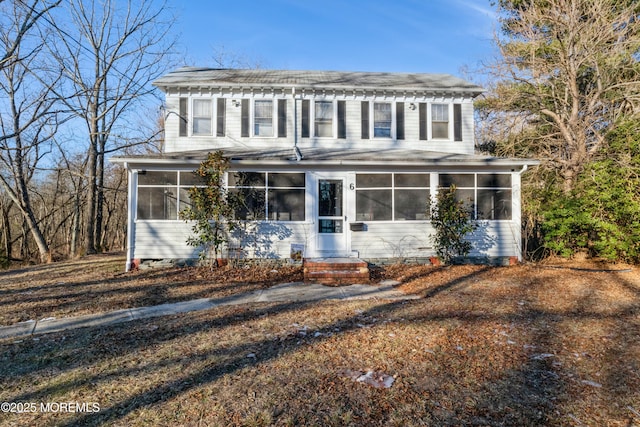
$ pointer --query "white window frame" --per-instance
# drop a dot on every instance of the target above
(334, 118)
(372, 121)
(475, 189)
(211, 118)
(176, 188)
(392, 133)
(393, 188)
(449, 122)
(274, 118)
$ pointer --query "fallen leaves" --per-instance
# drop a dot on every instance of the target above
(521, 345)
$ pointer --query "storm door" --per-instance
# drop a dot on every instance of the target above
(331, 216)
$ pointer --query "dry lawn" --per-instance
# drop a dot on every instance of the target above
(529, 345)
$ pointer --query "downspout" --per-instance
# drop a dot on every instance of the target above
(296, 150)
(518, 236)
(129, 217)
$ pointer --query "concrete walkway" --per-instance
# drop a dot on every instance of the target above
(294, 292)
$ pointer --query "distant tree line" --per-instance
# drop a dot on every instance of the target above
(74, 88)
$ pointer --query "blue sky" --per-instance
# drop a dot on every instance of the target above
(430, 36)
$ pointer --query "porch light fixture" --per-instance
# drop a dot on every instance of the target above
(412, 106)
(235, 103)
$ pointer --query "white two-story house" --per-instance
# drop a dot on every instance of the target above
(338, 164)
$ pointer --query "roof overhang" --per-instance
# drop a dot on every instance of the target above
(314, 157)
(262, 79)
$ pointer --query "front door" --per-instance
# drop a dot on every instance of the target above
(332, 233)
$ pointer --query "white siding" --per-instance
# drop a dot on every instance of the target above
(168, 239)
(412, 239)
(175, 143)
(162, 239)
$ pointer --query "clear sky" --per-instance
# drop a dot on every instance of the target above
(429, 36)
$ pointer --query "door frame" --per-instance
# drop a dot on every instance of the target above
(348, 207)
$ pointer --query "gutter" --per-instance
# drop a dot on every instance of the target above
(133, 162)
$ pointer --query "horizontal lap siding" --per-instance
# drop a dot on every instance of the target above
(411, 239)
(393, 240)
(167, 240)
(271, 239)
(176, 143)
(162, 240)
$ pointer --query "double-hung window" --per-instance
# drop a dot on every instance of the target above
(263, 118)
(323, 119)
(202, 116)
(382, 120)
(440, 121)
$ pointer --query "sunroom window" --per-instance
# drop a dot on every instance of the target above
(386, 196)
(274, 196)
(163, 194)
(494, 196)
(487, 196)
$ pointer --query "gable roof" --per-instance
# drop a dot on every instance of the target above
(343, 80)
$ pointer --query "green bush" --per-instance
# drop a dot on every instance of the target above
(602, 214)
(452, 222)
(211, 210)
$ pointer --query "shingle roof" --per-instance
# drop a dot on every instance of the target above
(319, 156)
(194, 77)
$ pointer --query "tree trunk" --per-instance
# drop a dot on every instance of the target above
(90, 220)
(75, 228)
(6, 230)
(99, 201)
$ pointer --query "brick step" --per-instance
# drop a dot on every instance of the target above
(338, 271)
(335, 267)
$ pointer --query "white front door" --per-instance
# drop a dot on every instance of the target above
(331, 216)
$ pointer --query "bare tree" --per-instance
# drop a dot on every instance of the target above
(111, 51)
(568, 70)
(28, 118)
(29, 15)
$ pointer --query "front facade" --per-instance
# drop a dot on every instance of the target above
(333, 164)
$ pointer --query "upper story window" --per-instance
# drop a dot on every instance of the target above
(382, 120)
(202, 117)
(263, 118)
(435, 121)
(199, 119)
(268, 118)
(439, 121)
(323, 119)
